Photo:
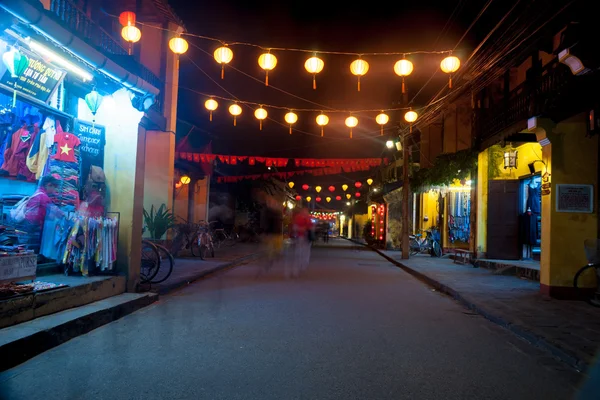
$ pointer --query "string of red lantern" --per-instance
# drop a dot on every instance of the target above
(290, 174)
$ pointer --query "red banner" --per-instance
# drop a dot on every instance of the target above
(283, 162)
(287, 175)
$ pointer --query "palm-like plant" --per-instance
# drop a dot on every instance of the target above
(159, 222)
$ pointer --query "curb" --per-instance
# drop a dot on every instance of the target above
(520, 331)
(166, 288)
(21, 350)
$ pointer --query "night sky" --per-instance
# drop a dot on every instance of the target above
(327, 26)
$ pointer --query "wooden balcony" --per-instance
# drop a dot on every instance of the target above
(528, 99)
(78, 22)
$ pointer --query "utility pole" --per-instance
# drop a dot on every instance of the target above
(405, 189)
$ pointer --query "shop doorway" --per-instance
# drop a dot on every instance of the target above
(530, 217)
(503, 219)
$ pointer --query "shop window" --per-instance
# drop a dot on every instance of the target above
(530, 223)
(459, 212)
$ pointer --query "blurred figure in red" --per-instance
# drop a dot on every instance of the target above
(302, 234)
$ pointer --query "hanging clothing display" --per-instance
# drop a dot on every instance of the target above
(459, 213)
(534, 198)
(64, 164)
(38, 154)
(15, 154)
(7, 118)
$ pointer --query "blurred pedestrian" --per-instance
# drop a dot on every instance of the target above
(272, 223)
(302, 234)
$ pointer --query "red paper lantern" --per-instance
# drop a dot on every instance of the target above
(358, 185)
(305, 186)
(338, 198)
(127, 18)
(332, 189)
(318, 199)
(298, 198)
(357, 194)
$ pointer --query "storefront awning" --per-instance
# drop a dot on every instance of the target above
(34, 16)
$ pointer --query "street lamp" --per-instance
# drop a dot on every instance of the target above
(389, 144)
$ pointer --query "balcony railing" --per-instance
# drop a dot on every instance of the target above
(525, 101)
(76, 20)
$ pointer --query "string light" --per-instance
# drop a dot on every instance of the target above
(223, 55)
(291, 185)
(211, 105)
(382, 119)
(261, 114)
(344, 187)
(318, 189)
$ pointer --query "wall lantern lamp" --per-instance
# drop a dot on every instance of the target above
(510, 159)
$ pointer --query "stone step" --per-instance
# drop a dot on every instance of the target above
(21, 342)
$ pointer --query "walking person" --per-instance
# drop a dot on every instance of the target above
(302, 234)
(272, 223)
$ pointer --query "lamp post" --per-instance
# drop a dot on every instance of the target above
(405, 198)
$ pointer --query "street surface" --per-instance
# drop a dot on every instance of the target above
(353, 327)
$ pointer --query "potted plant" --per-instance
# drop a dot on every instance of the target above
(158, 222)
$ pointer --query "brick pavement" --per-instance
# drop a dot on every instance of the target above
(568, 329)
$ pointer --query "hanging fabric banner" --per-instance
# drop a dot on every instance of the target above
(283, 162)
(287, 175)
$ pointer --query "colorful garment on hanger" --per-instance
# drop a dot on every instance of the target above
(11, 163)
(38, 155)
(26, 142)
(66, 144)
(66, 172)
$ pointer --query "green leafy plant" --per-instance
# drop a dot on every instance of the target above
(159, 222)
(445, 169)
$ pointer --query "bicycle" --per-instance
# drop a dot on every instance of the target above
(592, 253)
(186, 238)
(419, 244)
(220, 236)
(150, 263)
(167, 262)
(205, 241)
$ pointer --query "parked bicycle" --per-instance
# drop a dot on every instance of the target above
(590, 272)
(221, 237)
(205, 241)
(157, 263)
(420, 244)
(186, 238)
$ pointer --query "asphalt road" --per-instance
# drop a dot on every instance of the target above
(352, 327)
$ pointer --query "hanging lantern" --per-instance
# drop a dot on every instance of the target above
(318, 189)
(305, 187)
(318, 199)
(328, 199)
(344, 187)
(314, 65)
(450, 65)
(267, 61)
(411, 117)
(16, 63)
(93, 101)
(298, 198)
(351, 122)
(510, 159)
(322, 120)
(291, 185)
(403, 68)
(348, 196)
(358, 185)
(223, 55)
(382, 119)
(338, 198)
(131, 34)
(308, 198)
(261, 114)
(357, 194)
(359, 67)
(369, 181)
(127, 18)
(291, 119)
(185, 179)
(178, 45)
(178, 185)
(235, 110)
(332, 189)
(211, 105)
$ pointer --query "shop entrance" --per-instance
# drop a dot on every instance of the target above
(530, 224)
(503, 219)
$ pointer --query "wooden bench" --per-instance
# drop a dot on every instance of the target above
(462, 256)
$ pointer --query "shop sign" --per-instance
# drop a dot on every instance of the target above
(93, 139)
(575, 198)
(15, 268)
(546, 184)
(39, 80)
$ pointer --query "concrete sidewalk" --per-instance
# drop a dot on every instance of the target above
(570, 330)
(190, 269)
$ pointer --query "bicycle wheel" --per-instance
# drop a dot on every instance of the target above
(593, 300)
(167, 262)
(414, 247)
(436, 249)
(150, 264)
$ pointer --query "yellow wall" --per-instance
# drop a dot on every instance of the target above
(158, 163)
(527, 153)
(429, 209)
(482, 202)
(571, 158)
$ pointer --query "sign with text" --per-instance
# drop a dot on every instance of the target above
(93, 139)
(16, 268)
(39, 80)
(575, 198)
